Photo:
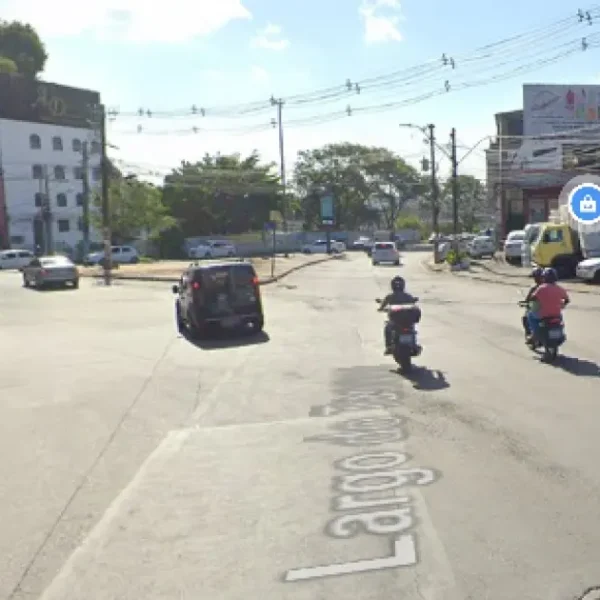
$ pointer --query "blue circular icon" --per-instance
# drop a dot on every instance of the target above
(584, 204)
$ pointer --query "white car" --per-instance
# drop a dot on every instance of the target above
(481, 246)
(320, 247)
(15, 259)
(120, 255)
(385, 252)
(589, 270)
(213, 249)
(513, 246)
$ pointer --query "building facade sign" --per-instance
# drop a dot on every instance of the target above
(550, 109)
(24, 99)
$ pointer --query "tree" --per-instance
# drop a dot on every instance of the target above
(135, 207)
(471, 200)
(369, 184)
(7, 65)
(20, 43)
(222, 194)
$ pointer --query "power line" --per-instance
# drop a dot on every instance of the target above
(568, 50)
(441, 69)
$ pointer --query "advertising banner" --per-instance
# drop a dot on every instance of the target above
(327, 215)
(549, 109)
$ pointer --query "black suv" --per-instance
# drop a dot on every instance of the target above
(224, 295)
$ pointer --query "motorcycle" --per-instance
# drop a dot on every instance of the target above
(551, 335)
(404, 318)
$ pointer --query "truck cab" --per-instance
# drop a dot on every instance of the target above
(557, 245)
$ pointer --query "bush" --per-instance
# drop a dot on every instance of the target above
(454, 257)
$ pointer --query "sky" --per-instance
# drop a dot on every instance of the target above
(226, 56)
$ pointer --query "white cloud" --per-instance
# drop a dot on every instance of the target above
(133, 20)
(271, 38)
(258, 74)
(381, 27)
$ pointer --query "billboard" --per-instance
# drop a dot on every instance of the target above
(25, 99)
(549, 109)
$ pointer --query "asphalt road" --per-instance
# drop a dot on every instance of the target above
(134, 464)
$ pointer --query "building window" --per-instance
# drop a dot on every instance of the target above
(37, 171)
(97, 173)
(35, 142)
(59, 173)
(38, 199)
(17, 239)
(79, 199)
(95, 147)
(63, 225)
(61, 200)
(80, 224)
(57, 143)
(76, 145)
(78, 171)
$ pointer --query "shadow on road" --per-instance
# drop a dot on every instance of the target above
(426, 379)
(578, 366)
(222, 341)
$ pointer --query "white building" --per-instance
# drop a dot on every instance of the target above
(39, 160)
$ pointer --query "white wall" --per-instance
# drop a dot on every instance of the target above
(18, 159)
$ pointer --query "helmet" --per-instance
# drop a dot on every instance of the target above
(538, 274)
(398, 284)
(550, 275)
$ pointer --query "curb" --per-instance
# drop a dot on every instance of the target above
(158, 279)
(476, 277)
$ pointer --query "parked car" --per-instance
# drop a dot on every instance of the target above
(50, 270)
(362, 243)
(224, 295)
(15, 259)
(385, 252)
(589, 270)
(481, 246)
(213, 249)
(320, 247)
(513, 246)
(120, 255)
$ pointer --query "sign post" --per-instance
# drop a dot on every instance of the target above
(272, 227)
(327, 216)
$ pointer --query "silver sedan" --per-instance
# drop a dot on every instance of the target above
(50, 270)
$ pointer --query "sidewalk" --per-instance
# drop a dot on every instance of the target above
(498, 272)
(170, 270)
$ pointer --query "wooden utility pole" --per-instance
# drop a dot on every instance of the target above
(434, 193)
(454, 184)
(48, 237)
(86, 200)
(106, 233)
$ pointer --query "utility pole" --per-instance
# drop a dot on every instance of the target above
(105, 199)
(47, 214)
(434, 193)
(454, 185)
(86, 200)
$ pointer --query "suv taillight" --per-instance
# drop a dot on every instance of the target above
(255, 281)
(195, 285)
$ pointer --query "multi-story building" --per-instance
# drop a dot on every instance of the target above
(50, 155)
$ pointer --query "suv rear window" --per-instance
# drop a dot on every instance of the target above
(384, 246)
(218, 279)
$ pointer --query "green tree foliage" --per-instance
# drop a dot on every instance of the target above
(7, 65)
(472, 200)
(369, 184)
(20, 43)
(135, 207)
(222, 195)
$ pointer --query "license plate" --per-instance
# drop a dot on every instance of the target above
(406, 339)
(230, 321)
(555, 334)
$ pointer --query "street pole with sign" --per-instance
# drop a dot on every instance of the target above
(327, 216)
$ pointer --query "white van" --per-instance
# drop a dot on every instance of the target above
(15, 259)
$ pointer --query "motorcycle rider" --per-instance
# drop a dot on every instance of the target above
(551, 299)
(538, 278)
(398, 296)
